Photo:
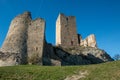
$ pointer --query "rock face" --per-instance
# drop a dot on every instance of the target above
(75, 56)
(9, 59)
(25, 43)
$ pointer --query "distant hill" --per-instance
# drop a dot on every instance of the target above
(104, 71)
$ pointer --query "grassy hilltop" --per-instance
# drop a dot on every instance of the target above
(104, 71)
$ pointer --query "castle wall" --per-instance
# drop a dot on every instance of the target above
(35, 42)
(26, 37)
(15, 41)
(66, 34)
(90, 41)
(58, 31)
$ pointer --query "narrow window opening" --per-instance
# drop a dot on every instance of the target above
(67, 18)
(78, 38)
(72, 43)
(36, 49)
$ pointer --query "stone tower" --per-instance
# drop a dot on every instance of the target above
(16, 38)
(26, 38)
(66, 34)
(36, 39)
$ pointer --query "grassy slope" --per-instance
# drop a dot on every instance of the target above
(105, 71)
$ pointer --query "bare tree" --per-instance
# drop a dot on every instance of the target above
(116, 57)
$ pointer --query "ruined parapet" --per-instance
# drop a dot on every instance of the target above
(35, 41)
(66, 34)
(90, 41)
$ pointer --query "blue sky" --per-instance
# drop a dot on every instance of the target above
(99, 17)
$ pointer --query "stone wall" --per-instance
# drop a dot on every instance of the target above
(25, 37)
(66, 34)
(15, 41)
(90, 41)
(35, 42)
(25, 43)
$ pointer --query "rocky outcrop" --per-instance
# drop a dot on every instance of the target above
(10, 59)
(75, 55)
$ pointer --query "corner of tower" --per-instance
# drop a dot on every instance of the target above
(25, 14)
(60, 16)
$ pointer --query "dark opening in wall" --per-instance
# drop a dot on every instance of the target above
(36, 48)
(66, 22)
(78, 38)
(72, 43)
(67, 18)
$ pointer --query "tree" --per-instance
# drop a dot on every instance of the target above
(116, 57)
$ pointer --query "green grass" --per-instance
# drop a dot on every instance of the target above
(105, 71)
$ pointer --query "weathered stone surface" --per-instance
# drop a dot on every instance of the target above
(55, 62)
(77, 56)
(35, 41)
(10, 59)
(26, 43)
(66, 34)
(16, 38)
(26, 38)
(49, 56)
(90, 41)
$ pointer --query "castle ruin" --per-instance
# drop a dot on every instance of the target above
(25, 37)
(66, 33)
(25, 43)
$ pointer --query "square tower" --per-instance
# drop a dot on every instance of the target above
(66, 34)
(35, 41)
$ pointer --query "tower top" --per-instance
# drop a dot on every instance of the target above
(27, 13)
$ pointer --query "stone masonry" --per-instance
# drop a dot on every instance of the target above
(66, 31)
(66, 34)
(25, 37)
(89, 41)
(35, 41)
(25, 43)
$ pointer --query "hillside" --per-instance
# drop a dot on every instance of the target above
(104, 71)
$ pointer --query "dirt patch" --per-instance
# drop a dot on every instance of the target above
(81, 74)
